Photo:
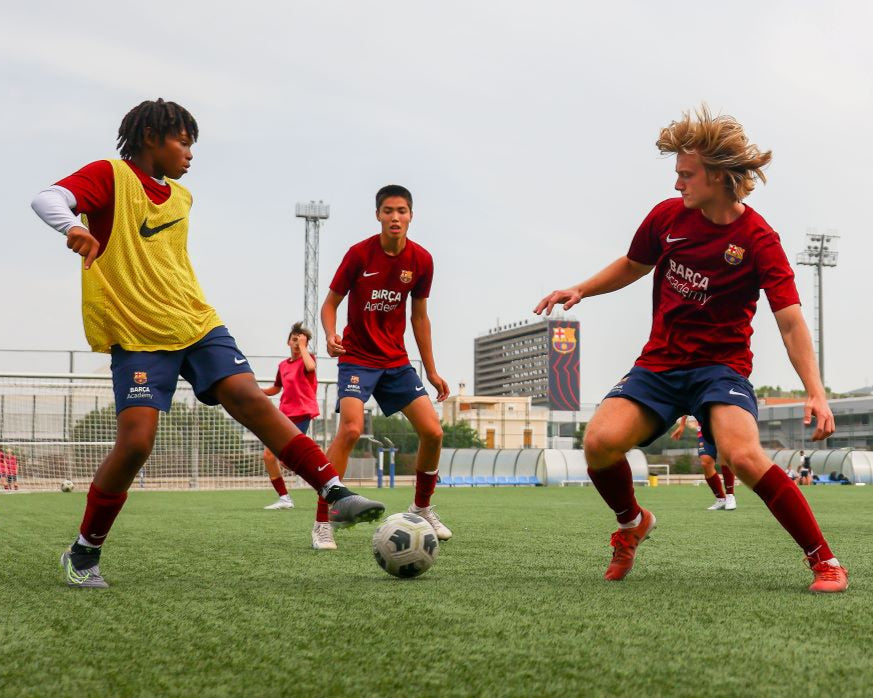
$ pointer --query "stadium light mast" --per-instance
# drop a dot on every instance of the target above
(820, 252)
(314, 213)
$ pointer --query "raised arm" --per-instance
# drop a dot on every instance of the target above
(421, 331)
(305, 356)
(55, 207)
(622, 272)
(795, 335)
(328, 322)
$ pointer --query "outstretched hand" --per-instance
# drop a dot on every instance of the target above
(569, 297)
(824, 419)
(80, 241)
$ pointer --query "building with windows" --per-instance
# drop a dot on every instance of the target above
(500, 422)
(781, 426)
(538, 359)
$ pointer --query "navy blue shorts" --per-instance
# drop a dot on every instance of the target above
(706, 448)
(148, 378)
(302, 424)
(671, 394)
(393, 388)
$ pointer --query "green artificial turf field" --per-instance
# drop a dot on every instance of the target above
(212, 595)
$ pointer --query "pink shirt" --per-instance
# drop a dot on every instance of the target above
(11, 464)
(298, 389)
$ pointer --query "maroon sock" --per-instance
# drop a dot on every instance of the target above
(279, 485)
(100, 512)
(615, 484)
(729, 478)
(302, 455)
(714, 483)
(321, 510)
(425, 484)
(788, 505)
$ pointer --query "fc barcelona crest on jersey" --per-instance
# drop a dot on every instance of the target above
(733, 255)
(140, 377)
(564, 339)
(406, 276)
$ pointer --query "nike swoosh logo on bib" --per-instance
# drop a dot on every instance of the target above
(147, 232)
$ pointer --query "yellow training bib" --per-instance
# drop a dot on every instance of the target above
(141, 293)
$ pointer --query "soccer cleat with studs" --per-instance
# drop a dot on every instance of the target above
(730, 502)
(719, 504)
(428, 514)
(624, 542)
(348, 508)
(322, 536)
(827, 578)
(281, 504)
(87, 574)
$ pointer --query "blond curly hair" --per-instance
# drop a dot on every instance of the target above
(722, 145)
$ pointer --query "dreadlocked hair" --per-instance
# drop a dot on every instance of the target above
(722, 146)
(163, 118)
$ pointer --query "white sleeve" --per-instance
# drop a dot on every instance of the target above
(55, 206)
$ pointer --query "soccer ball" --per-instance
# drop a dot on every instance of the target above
(67, 486)
(405, 545)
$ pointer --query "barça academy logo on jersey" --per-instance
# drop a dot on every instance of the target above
(406, 276)
(733, 255)
(564, 339)
(140, 377)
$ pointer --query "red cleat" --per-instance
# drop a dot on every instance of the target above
(625, 542)
(827, 579)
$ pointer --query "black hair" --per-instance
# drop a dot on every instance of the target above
(298, 328)
(393, 190)
(163, 118)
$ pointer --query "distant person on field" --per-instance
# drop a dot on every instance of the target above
(791, 472)
(712, 255)
(297, 382)
(805, 470)
(708, 455)
(11, 467)
(3, 479)
(141, 303)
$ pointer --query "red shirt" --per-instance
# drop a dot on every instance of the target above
(94, 189)
(707, 281)
(299, 388)
(378, 286)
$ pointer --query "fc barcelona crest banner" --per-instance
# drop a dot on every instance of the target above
(564, 365)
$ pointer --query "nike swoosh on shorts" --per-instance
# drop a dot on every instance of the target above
(147, 232)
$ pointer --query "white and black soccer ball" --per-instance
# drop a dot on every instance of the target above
(67, 486)
(405, 545)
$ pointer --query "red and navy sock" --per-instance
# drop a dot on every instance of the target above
(302, 455)
(279, 485)
(789, 506)
(100, 512)
(714, 482)
(425, 484)
(729, 479)
(615, 484)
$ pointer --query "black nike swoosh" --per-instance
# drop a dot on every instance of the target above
(147, 232)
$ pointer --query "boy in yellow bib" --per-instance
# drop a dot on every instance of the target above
(142, 303)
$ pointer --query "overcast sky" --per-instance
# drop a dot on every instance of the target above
(524, 130)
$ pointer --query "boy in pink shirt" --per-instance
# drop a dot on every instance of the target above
(296, 380)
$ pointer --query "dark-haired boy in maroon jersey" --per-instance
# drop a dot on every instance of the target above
(379, 274)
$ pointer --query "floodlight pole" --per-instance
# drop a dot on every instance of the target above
(820, 252)
(314, 213)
